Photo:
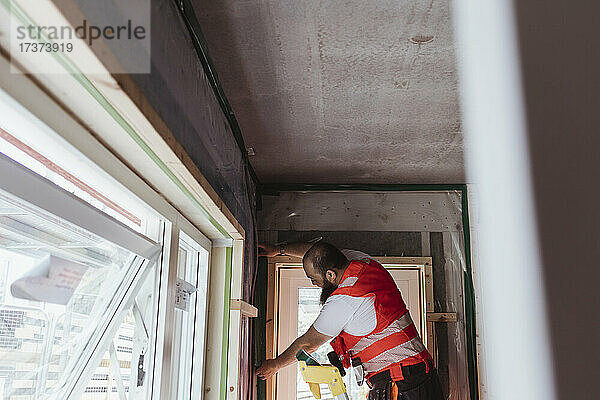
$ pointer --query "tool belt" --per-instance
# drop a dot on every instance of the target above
(384, 388)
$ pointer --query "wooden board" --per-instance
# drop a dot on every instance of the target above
(362, 211)
(247, 310)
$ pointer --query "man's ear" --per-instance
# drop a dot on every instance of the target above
(331, 276)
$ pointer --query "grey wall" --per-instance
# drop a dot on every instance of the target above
(341, 91)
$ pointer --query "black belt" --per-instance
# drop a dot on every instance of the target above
(407, 370)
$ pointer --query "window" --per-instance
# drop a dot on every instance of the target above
(63, 287)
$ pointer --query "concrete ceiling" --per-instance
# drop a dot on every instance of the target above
(340, 91)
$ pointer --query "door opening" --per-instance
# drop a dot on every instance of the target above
(297, 303)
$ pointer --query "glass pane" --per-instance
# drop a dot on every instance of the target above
(308, 310)
(58, 285)
(125, 370)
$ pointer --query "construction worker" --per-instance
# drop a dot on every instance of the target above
(365, 319)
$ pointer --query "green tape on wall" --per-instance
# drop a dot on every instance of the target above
(260, 323)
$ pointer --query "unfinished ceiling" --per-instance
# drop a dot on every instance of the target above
(340, 91)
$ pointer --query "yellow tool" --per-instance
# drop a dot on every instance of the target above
(314, 375)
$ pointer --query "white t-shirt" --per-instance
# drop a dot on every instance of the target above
(355, 315)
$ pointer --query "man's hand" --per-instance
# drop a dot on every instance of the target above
(297, 249)
(268, 250)
(267, 369)
(309, 342)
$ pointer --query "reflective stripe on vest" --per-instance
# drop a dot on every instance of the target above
(400, 331)
(396, 343)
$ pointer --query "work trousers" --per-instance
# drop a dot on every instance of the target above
(425, 386)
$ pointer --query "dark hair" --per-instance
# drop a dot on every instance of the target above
(325, 256)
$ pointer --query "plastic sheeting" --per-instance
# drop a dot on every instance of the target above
(394, 223)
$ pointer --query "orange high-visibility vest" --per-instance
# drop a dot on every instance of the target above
(395, 341)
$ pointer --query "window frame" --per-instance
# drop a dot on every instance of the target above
(190, 244)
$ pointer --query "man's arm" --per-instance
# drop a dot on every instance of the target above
(309, 342)
(291, 249)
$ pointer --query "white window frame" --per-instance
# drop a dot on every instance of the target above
(194, 359)
(41, 193)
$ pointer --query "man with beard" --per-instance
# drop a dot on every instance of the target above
(371, 327)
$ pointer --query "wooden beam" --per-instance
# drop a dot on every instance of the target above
(271, 325)
(247, 310)
(383, 260)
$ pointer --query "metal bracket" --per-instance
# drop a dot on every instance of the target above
(115, 366)
(183, 291)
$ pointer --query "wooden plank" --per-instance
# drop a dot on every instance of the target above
(289, 260)
(431, 341)
(457, 366)
(404, 260)
(362, 211)
(429, 298)
(441, 317)
(246, 309)
(425, 245)
(285, 260)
